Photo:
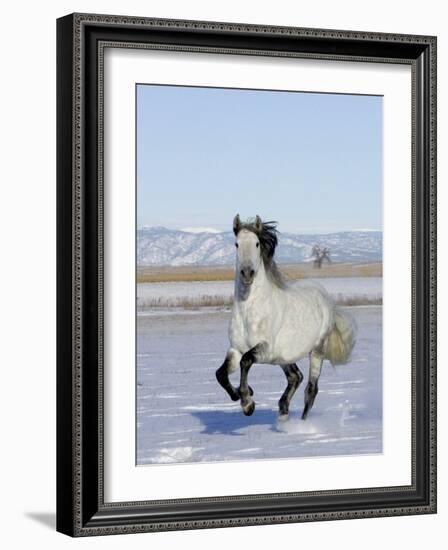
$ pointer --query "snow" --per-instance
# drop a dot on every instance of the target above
(200, 230)
(183, 415)
(172, 293)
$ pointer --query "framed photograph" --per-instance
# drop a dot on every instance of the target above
(246, 274)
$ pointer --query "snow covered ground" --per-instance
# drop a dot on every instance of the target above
(173, 293)
(183, 415)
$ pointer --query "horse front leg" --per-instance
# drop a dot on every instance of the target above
(230, 364)
(247, 360)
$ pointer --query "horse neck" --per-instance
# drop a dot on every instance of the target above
(259, 287)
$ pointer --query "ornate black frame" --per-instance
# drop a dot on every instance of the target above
(81, 510)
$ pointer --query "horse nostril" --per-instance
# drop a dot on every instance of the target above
(242, 272)
(252, 272)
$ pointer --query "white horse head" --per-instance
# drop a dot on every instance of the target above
(248, 249)
(255, 247)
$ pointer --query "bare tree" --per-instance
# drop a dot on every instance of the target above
(320, 254)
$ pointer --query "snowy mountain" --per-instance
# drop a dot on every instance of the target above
(162, 246)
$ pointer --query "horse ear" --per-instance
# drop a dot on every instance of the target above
(258, 223)
(236, 224)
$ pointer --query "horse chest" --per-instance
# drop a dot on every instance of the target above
(250, 326)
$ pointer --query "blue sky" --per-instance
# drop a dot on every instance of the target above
(311, 161)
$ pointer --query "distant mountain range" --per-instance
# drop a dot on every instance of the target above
(162, 246)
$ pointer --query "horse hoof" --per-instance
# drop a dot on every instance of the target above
(248, 409)
(283, 417)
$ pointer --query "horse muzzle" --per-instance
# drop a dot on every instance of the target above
(247, 275)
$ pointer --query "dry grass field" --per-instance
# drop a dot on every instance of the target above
(161, 274)
(196, 302)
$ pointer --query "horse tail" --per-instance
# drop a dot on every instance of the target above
(340, 341)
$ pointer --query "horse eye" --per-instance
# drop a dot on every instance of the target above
(236, 244)
(258, 244)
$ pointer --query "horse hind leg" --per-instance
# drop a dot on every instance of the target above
(294, 378)
(316, 359)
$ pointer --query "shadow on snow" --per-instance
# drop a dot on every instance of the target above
(229, 422)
